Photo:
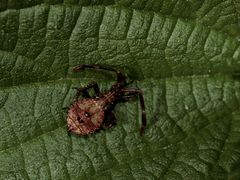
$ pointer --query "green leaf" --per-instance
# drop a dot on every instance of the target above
(183, 55)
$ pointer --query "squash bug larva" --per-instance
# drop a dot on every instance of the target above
(90, 114)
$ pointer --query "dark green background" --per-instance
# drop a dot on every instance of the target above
(184, 55)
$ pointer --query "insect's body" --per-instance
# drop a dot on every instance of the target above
(85, 116)
(90, 114)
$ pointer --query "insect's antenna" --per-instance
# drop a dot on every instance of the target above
(120, 77)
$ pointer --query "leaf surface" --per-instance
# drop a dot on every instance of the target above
(183, 55)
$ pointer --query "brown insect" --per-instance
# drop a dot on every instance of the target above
(90, 114)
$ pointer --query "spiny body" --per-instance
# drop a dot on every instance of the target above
(90, 114)
(87, 115)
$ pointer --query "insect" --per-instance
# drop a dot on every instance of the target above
(90, 114)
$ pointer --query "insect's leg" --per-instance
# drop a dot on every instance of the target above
(84, 91)
(65, 108)
(120, 77)
(128, 96)
(110, 120)
(134, 92)
(68, 132)
(96, 89)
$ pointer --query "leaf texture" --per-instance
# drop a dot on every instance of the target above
(184, 55)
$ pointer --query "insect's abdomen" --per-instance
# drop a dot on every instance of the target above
(85, 116)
